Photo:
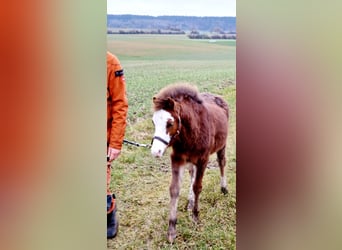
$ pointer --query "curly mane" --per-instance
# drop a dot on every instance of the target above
(179, 92)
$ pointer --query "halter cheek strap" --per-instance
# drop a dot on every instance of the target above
(179, 128)
(180, 124)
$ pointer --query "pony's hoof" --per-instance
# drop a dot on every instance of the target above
(171, 236)
(171, 232)
(195, 217)
(190, 205)
(224, 190)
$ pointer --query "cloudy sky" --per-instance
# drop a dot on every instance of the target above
(173, 7)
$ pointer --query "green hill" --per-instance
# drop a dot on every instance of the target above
(173, 23)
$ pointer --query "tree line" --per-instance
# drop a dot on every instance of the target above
(159, 31)
(218, 34)
(192, 35)
(216, 37)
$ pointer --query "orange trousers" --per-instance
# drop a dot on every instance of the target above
(112, 205)
(108, 178)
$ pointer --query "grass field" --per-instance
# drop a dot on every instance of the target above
(140, 182)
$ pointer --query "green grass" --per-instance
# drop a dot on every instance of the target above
(141, 182)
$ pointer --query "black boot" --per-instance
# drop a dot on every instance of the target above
(112, 220)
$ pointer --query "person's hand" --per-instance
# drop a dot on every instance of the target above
(113, 153)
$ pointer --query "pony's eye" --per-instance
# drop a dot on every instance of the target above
(169, 124)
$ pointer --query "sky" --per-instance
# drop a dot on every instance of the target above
(173, 7)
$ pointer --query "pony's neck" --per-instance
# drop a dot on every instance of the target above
(190, 119)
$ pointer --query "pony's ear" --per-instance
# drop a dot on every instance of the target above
(169, 103)
(176, 107)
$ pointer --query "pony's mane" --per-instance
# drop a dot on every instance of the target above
(179, 92)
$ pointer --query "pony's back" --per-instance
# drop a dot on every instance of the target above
(217, 100)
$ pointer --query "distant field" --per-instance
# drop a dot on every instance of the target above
(170, 47)
(140, 181)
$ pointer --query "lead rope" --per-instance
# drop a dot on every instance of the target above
(136, 144)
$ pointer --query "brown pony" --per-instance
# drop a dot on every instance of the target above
(195, 125)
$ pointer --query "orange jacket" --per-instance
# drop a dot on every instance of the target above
(117, 104)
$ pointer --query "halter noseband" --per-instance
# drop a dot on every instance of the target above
(159, 139)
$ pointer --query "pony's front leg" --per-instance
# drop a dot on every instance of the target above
(191, 196)
(177, 175)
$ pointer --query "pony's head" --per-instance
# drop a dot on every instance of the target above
(167, 124)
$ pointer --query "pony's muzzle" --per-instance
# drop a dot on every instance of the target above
(157, 151)
(157, 154)
(158, 148)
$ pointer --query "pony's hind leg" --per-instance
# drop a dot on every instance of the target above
(177, 174)
(221, 159)
(191, 197)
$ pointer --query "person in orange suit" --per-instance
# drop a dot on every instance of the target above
(117, 107)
